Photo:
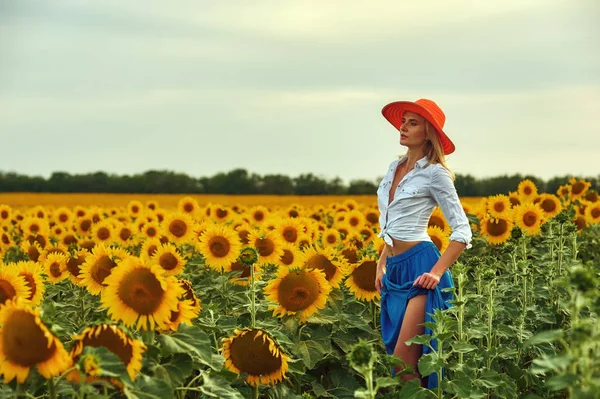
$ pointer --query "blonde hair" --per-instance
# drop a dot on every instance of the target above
(433, 148)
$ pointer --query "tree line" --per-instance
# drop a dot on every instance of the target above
(240, 181)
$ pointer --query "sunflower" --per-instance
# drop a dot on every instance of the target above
(580, 221)
(437, 219)
(361, 279)
(330, 237)
(152, 205)
(592, 213)
(528, 217)
(354, 238)
(140, 292)
(38, 211)
(527, 190)
(221, 214)
(254, 352)
(578, 188)
(57, 249)
(269, 245)
(167, 257)
(151, 230)
(591, 196)
(289, 229)
(135, 208)
(243, 231)
(83, 226)
(99, 265)
(26, 342)
(305, 241)
(32, 249)
(68, 238)
(366, 232)
(55, 267)
(496, 230)
(350, 254)
(32, 273)
(149, 248)
(34, 226)
(184, 314)
(190, 294)
(63, 215)
(499, 206)
(178, 227)
(220, 246)
(290, 257)
(188, 205)
(113, 338)
(372, 217)
(12, 285)
(103, 232)
(439, 238)
(258, 214)
(123, 233)
(74, 262)
(58, 231)
(355, 218)
(300, 291)
(325, 259)
(514, 198)
(79, 211)
(5, 213)
(5, 240)
(550, 205)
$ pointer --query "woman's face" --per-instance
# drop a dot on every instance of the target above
(412, 130)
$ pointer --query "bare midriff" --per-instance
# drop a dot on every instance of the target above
(400, 246)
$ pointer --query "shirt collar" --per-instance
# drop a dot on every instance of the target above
(420, 163)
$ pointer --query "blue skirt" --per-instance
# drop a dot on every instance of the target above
(397, 289)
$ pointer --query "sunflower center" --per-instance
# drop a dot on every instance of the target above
(124, 234)
(111, 341)
(63, 217)
(527, 190)
(293, 213)
(437, 221)
(243, 234)
(221, 213)
(331, 238)
(321, 262)
(595, 212)
(5, 239)
(530, 219)
(188, 207)
(33, 253)
(514, 201)
(141, 291)
(7, 291)
(577, 188)
(85, 225)
(69, 239)
(103, 233)
(219, 246)
(364, 275)
(298, 290)
(55, 269)
(151, 232)
(259, 215)
(4, 214)
(34, 228)
(23, 341)
(350, 255)
(101, 268)
(290, 234)
(151, 250)
(499, 207)
(264, 246)
(287, 258)
(372, 217)
(178, 228)
(548, 205)
(497, 229)
(253, 356)
(74, 263)
(168, 261)
(135, 209)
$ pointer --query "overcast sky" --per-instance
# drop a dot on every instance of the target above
(293, 87)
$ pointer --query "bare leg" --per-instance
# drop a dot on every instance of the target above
(415, 314)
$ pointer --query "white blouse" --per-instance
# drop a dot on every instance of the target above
(418, 193)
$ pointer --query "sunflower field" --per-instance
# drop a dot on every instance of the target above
(249, 300)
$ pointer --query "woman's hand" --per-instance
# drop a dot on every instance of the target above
(427, 280)
(378, 276)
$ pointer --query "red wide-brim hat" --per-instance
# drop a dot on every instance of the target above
(429, 110)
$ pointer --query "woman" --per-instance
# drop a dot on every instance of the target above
(411, 272)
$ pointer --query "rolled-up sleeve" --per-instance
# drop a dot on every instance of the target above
(444, 193)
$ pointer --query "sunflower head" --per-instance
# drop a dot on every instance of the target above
(325, 259)
(257, 355)
(440, 238)
(220, 246)
(437, 219)
(361, 280)
(496, 230)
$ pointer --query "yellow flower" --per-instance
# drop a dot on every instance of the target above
(167, 257)
(301, 292)
(258, 214)
(528, 216)
(499, 206)
(439, 238)
(25, 342)
(527, 190)
(32, 273)
(99, 265)
(592, 212)
(550, 205)
(437, 219)
(178, 227)
(325, 259)
(496, 230)
(74, 262)
(220, 246)
(289, 229)
(188, 205)
(361, 280)
(142, 293)
(255, 352)
(268, 244)
(135, 208)
(12, 285)
(578, 188)
(55, 267)
(113, 338)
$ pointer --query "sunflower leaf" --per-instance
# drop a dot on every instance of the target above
(177, 369)
(146, 387)
(188, 339)
(310, 352)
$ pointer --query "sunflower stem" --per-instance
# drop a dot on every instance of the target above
(255, 391)
(252, 296)
(51, 388)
